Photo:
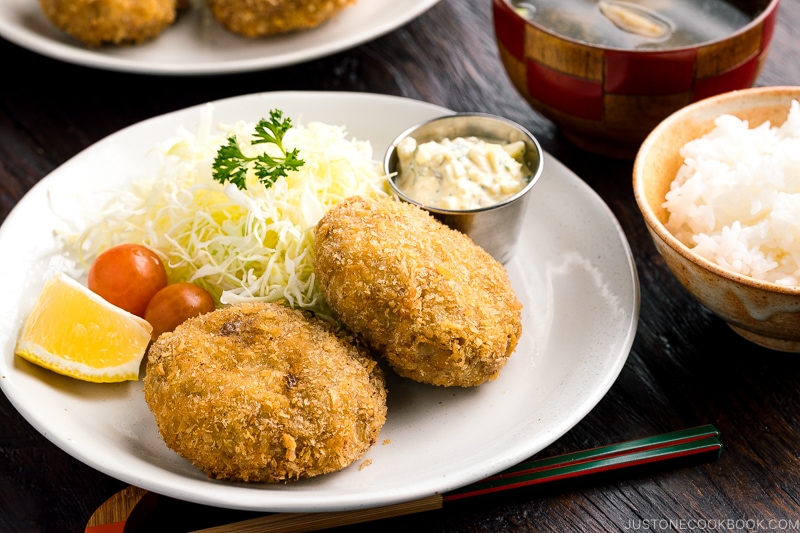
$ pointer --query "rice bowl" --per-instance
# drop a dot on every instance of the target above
(761, 310)
(736, 198)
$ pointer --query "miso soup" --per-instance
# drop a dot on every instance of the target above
(642, 24)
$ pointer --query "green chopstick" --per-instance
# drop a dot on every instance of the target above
(676, 445)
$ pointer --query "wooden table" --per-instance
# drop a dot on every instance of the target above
(686, 367)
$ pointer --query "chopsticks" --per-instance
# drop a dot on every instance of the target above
(694, 443)
(669, 446)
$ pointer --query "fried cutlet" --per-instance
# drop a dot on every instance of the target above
(259, 392)
(435, 305)
(117, 22)
(257, 18)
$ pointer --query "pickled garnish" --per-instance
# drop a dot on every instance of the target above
(634, 19)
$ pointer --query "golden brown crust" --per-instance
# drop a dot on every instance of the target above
(256, 18)
(436, 306)
(98, 22)
(262, 393)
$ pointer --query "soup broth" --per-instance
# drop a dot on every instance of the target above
(642, 24)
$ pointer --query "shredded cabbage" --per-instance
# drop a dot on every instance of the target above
(241, 245)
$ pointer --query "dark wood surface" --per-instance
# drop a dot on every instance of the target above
(686, 367)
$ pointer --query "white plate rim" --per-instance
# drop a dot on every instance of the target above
(324, 493)
(23, 24)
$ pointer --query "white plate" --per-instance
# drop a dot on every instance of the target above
(197, 44)
(573, 272)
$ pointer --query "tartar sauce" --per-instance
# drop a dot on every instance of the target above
(461, 173)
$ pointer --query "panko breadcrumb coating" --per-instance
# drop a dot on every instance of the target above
(435, 305)
(119, 22)
(259, 392)
(257, 18)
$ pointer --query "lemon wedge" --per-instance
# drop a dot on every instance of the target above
(75, 332)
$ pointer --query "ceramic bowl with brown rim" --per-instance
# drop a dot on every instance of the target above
(606, 94)
(765, 312)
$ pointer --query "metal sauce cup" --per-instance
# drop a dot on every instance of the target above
(494, 228)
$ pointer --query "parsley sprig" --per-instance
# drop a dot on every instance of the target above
(231, 165)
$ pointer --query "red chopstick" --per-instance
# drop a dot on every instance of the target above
(676, 445)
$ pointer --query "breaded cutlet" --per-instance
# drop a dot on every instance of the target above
(425, 297)
(258, 392)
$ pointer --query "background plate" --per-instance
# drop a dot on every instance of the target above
(573, 271)
(198, 44)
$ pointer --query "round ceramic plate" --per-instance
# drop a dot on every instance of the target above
(198, 44)
(573, 272)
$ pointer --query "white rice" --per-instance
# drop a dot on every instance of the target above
(736, 199)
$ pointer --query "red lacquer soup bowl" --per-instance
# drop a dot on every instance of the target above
(607, 98)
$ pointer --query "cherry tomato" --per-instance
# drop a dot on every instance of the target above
(128, 275)
(174, 304)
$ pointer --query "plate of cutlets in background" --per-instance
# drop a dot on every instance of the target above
(197, 44)
(573, 272)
